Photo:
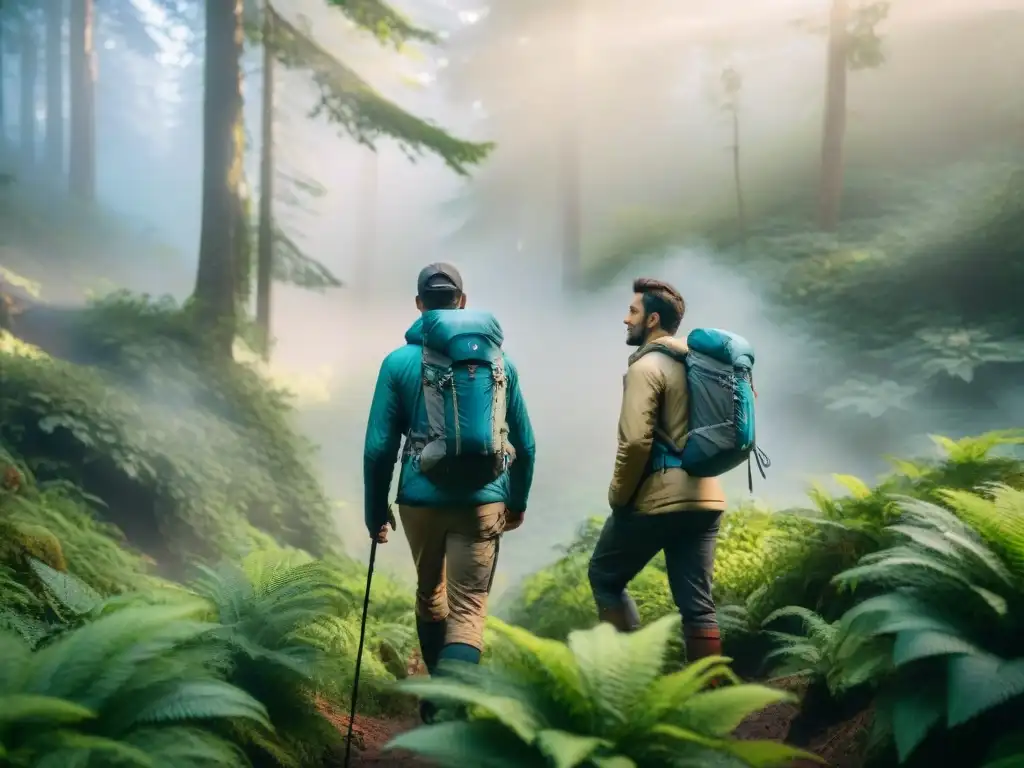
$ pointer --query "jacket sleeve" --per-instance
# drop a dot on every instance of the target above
(380, 450)
(520, 434)
(640, 398)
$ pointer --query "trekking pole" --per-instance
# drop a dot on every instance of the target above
(359, 653)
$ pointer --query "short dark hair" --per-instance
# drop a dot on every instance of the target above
(441, 298)
(659, 296)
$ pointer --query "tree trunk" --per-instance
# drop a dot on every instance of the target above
(831, 189)
(741, 214)
(29, 82)
(241, 215)
(82, 82)
(55, 88)
(265, 257)
(216, 310)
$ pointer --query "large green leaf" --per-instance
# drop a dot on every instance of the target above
(914, 713)
(509, 712)
(980, 682)
(118, 643)
(61, 749)
(201, 700)
(483, 743)
(568, 750)
(766, 754)
(616, 761)
(545, 664)
(914, 645)
(670, 692)
(46, 709)
(618, 668)
(757, 753)
(719, 712)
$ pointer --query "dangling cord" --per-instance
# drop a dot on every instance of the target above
(763, 463)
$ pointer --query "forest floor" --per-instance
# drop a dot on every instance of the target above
(840, 746)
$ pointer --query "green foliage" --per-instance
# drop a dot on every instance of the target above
(383, 21)
(55, 522)
(785, 561)
(600, 700)
(556, 600)
(130, 688)
(251, 658)
(812, 546)
(187, 452)
(265, 609)
(292, 265)
(814, 653)
(351, 103)
(952, 605)
(743, 537)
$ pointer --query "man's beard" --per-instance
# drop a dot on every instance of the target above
(635, 336)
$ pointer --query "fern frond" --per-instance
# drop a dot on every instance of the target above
(999, 520)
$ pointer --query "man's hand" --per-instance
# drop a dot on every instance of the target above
(513, 519)
(382, 534)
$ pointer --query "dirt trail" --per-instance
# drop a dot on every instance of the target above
(370, 734)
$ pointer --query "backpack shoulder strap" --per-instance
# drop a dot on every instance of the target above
(679, 357)
(437, 374)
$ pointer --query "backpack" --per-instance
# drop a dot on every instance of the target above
(465, 390)
(721, 435)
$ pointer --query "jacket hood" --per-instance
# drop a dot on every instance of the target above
(675, 347)
(415, 333)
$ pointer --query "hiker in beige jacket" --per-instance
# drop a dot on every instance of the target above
(655, 506)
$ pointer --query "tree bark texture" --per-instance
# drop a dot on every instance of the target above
(265, 255)
(214, 296)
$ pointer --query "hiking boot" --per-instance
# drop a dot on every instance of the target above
(702, 643)
(623, 617)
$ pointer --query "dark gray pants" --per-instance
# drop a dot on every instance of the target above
(629, 541)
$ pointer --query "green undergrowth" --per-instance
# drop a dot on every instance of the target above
(182, 451)
(906, 597)
(767, 560)
(245, 661)
(248, 663)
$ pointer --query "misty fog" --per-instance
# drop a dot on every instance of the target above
(945, 107)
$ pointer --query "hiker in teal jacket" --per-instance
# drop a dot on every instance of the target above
(453, 534)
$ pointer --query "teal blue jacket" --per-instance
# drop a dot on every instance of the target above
(397, 392)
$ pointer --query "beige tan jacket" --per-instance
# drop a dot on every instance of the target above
(655, 399)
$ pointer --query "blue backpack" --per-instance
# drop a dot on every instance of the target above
(719, 376)
(465, 391)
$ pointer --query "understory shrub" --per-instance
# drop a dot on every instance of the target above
(600, 700)
(185, 450)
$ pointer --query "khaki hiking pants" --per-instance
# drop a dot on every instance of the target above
(455, 552)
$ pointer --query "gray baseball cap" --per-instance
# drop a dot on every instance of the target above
(440, 276)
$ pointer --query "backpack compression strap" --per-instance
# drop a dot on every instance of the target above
(437, 374)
